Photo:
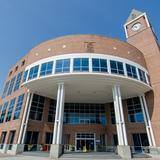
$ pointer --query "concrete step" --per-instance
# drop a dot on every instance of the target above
(89, 156)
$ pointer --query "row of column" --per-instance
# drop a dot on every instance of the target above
(120, 122)
(119, 115)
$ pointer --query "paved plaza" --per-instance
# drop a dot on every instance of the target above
(70, 156)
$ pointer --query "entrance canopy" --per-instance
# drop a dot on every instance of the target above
(87, 87)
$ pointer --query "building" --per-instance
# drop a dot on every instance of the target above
(85, 92)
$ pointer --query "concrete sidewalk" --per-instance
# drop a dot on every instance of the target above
(69, 156)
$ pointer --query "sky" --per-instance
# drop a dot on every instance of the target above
(26, 23)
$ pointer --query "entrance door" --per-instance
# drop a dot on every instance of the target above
(85, 142)
(90, 145)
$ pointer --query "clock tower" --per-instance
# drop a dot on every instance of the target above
(136, 22)
(140, 34)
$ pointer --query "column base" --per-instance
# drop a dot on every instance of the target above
(155, 151)
(4, 149)
(124, 151)
(16, 149)
(56, 151)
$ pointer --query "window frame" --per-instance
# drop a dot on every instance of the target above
(99, 67)
(33, 72)
(62, 68)
(46, 68)
(18, 81)
(135, 110)
(130, 71)
(80, 67)
(19, 106)
(116, 69)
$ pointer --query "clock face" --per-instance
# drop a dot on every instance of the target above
(136, 26)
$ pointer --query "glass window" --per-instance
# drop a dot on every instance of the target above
(31, 137)
(131, 71)
(81, 64)
(46, 68)
(117, 67)
(112, 112)
(10, 109)
(18, 107)
(99, 65)
(140, 140)
(142, 75)
(25, 76)
(3, 112)
(5, 89)
(149, 80)
(115, 140)
(135, 114)
(11, 139)
(18, 81)
(2, 139)
(11, 86)
(81, 113)
(37, 107)
(49, 137)
(33, 72)
(51, 112)
(62, 66)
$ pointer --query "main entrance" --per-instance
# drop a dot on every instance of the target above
(85, 142)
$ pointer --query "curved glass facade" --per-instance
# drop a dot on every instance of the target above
(94, 65)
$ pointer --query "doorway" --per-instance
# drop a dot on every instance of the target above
(85, 142)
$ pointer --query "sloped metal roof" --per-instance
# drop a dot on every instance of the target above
(134, 14)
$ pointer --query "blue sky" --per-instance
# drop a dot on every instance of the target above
(26, 23)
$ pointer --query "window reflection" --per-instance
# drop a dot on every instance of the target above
(117, 67)
(134, 110)
(46, 68)
(99, 65)
(81, 64)
(62, 66)
(79, 113)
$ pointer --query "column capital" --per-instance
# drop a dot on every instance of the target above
(142, 95)
(60, 83)
(116, 85)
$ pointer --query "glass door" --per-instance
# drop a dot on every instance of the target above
(85, 142)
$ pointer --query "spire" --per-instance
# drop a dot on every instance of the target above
(134, 14)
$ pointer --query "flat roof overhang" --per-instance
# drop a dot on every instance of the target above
(87, 88)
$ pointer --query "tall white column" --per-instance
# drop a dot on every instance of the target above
(147, 121)
(120, 123)
(58, 125)
(123, 149)
(25, 118)
(56, 147)
(19, 147)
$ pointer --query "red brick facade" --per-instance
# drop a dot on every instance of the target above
(142, 48)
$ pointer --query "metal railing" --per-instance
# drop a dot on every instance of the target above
(1, 146)
(37, 147)
(99, 148)
(140, 149)
(8, 146)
